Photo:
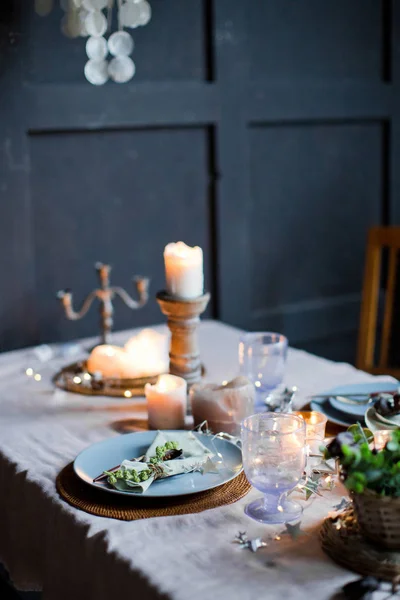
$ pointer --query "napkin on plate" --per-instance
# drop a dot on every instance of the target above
(195, 454)
(187, 442)
(124, 485)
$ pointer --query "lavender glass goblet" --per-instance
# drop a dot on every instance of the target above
(262, 358)
(274, 458)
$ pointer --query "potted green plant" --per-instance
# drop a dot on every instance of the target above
(372, 477)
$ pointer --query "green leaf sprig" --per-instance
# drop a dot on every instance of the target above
(363, 467)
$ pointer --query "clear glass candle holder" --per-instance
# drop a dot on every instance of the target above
(381, 438)
(274, 459)
(315, 423)
(262, 359)
(314, 449)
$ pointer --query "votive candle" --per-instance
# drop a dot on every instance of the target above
(184, 270)
(166, 402)
(315, 423)
(381, 438)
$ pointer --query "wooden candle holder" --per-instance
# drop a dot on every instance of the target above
(183, 318)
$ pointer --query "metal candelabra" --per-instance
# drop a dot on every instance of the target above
(105, 295)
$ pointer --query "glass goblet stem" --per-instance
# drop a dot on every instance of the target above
(271, 502)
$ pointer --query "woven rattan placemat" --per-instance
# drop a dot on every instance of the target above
(98, 502)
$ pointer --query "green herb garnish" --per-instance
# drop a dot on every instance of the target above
(125, 474)
(161, 451)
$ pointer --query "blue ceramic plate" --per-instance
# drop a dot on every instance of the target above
(343, 413)
(99, 457)
(324, 406)
(374, 423)
(358, 410)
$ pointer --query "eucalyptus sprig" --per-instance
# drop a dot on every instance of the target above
(363, 466)
(128, 475)
(161, 451)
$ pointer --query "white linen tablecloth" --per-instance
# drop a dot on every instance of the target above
(48, 545)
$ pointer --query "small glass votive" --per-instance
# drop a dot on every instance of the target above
(314, 451)
(315, 423)
(381, 438)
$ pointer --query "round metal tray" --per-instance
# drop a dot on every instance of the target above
(89, 385)
(67, 379)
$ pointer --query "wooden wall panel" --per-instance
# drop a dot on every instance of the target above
(143, 188)
(267, 133)
(312, 40)
(315, 190)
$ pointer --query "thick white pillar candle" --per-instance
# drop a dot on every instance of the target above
(223, 406)
(166, 402)
(111, 361)
(184, 270)
(149, 352)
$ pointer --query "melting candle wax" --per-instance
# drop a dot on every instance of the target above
(223, 406)
(111, 361)
(184, 270)
(149, 352)
(143, 355)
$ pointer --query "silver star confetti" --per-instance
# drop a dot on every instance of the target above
(252, 545)
(344, 503)
(208, 467)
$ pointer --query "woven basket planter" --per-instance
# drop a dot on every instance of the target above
(379, 518)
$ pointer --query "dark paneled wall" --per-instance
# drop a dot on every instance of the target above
(267, 132)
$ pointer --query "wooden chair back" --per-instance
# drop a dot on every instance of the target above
(378, 239)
